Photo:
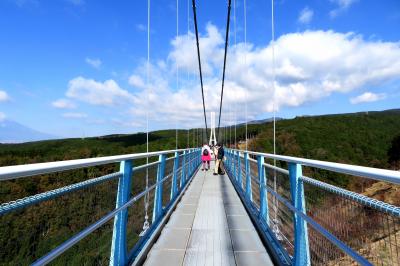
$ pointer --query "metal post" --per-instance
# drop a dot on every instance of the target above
(183, 170)
(234, 166)
(248, 177)
(199, 157)
(239, 171)
(191, 164)
(189, 170)
(227, 166)
(157, 211)
(301, 248)
(174, 188)
(263, 183)
(118, 246)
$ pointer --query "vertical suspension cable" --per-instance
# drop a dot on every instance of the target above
(199, 59)
(274, 107)
(245, 60)
(187, 38)
(234, 23)
(223, 70)
(146, 197)
(177, 72)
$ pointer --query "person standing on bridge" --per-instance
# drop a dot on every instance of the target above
(205, 157)
(219, 164)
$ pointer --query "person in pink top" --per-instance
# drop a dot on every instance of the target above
(205, 157)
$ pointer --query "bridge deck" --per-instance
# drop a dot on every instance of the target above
(209, 227)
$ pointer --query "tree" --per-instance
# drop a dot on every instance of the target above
(394, 151)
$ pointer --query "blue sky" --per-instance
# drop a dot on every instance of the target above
(76, 68)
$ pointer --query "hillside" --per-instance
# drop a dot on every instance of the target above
(359, 138)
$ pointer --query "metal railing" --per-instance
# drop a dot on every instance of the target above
(306, 221)
(184, 165)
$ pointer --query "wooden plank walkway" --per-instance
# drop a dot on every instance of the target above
(209, 227)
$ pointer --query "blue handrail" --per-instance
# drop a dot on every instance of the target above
(119, 253)
(185, 164)
(260, 214)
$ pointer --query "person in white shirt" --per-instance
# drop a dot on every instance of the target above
(205, 157)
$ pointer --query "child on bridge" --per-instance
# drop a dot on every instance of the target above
(205, 157)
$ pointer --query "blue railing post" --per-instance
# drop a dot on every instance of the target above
(191, 164)
(188, 169)
(249, 193)
(174, 188)
(263, 183)
(118, 246)
(228, 160)
(234, 166)
(157, 211)
(239, 171)
(188, 166)
(183, 170)
(199, 157)
(301, 248)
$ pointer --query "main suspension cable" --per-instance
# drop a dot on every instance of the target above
(223, 71)
(199, 59)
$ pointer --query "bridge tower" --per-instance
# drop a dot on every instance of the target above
(213, 136)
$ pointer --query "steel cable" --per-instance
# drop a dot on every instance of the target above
(199, 59)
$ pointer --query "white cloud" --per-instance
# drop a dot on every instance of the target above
(185, 54)
(95, 62)
(137, 81)
(368, 97)
(75, 115)
(310, 66)
(306, 15)
(2, 117)
(107, 93)
(63, 104)
(342, 5)
(4, 96)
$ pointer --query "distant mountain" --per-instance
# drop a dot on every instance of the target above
(13, 132)
(262, 121)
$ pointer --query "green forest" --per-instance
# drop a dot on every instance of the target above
(368, 139)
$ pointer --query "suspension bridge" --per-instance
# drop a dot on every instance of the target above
(265, 210)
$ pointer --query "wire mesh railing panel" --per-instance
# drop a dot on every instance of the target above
(370, 232)
(136, 219)
(255, 183)
(167, 185)
(278, 182)
(137, 211)
(95, 249)
(31, 232)
(323, 252)
(243, 172)
(281, 223)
